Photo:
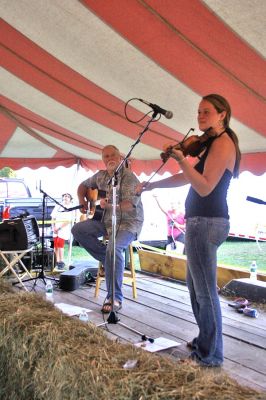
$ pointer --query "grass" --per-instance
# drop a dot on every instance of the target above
(238, 253)
(241, 253)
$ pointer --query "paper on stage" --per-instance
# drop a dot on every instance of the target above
(159, 344)
(70, 310)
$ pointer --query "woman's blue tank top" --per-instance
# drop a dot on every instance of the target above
(213, 205)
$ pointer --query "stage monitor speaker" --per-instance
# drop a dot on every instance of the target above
(19, 233)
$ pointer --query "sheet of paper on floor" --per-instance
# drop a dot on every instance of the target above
(159, 344)
(70, 309)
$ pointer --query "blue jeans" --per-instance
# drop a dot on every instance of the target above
(87, 234)
(203, 237)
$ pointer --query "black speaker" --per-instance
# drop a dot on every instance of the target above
(19, 233)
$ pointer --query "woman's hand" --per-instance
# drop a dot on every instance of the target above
(167, 147)
(177, 155)
(173, 151)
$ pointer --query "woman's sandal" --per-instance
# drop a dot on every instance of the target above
(240, 302)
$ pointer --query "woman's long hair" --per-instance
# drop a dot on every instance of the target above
(221, 104)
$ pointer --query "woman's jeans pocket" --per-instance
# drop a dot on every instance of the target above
(218, 229)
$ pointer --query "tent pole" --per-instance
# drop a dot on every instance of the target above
(74, 217)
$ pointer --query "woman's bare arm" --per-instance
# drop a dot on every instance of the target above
(221, 156)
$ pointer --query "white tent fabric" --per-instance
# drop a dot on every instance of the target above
(69, 67)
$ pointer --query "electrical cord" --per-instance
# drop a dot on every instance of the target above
(142, 118)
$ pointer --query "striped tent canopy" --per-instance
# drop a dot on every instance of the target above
(69, 69)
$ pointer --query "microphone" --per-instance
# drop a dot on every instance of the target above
(158, 109)
(255, 200)
(72, 208)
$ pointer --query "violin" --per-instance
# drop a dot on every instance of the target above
(192, 146)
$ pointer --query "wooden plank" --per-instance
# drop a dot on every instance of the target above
(164, 287)
(180, 293)
(151, 325)
(174, 266)
(178, 324)
(238, 350)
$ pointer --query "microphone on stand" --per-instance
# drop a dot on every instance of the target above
(158, 109)
(255, 200)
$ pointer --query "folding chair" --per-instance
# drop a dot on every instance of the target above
(16, 258)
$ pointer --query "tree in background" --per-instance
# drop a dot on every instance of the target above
(7, 172)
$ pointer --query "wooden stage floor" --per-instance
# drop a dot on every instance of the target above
(162, 309)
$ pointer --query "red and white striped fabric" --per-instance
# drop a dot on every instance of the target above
(69, 67)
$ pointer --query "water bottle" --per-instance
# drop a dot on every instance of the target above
(250, 312)
(49, 291)
(83, 316)
(253, 271)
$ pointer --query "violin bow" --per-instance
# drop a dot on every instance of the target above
(160, 167)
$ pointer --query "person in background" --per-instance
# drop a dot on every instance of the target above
(129, 221)
(207, 219)
(176, 226)
(61, 226)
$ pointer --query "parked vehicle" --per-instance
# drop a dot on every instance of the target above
(16, 201)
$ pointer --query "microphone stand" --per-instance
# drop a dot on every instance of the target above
(41, 274)
(113, 318)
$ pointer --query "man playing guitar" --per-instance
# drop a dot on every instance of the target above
(129, 220)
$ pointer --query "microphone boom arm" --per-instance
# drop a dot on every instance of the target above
(158, 109)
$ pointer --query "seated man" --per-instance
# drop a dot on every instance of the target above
(129, 221)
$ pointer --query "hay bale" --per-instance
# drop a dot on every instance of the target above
(6, 287)
(46, 354)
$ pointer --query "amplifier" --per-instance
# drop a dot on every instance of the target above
(19, 233)
(34, 261)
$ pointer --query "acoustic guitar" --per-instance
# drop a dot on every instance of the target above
(93, 197)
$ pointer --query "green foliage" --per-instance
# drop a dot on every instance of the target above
(7, 172)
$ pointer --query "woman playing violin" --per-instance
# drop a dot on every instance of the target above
(207, 220)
